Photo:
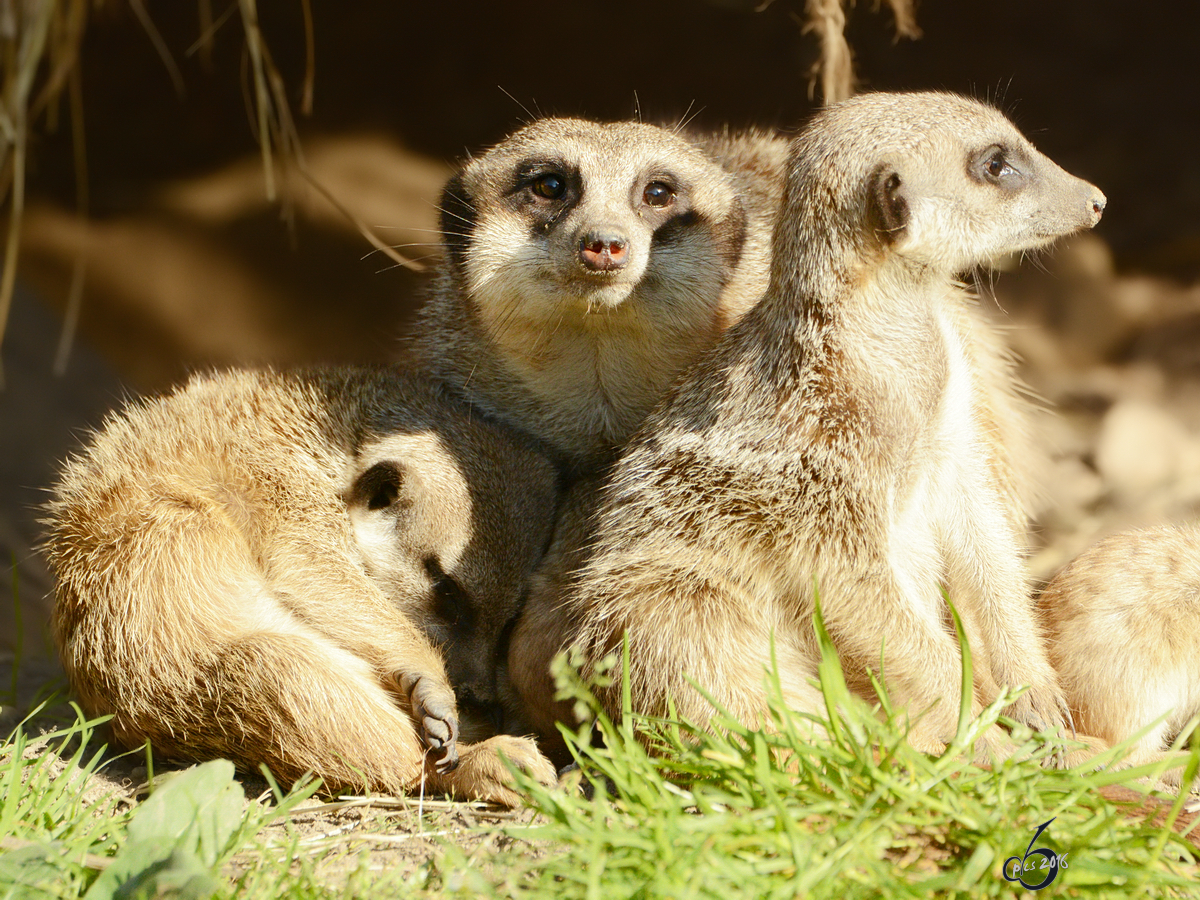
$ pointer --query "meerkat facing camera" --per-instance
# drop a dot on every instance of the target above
(280, 569)
(587, 265)
(838, 437)
(1123, 626)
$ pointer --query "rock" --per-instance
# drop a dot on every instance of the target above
(1140, 447)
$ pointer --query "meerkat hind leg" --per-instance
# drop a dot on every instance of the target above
(301, 705)
(922, 664)
(685, 628)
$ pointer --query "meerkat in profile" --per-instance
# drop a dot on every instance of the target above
(587, 265)
(839, 439)
(1123, 627)
(294, 569)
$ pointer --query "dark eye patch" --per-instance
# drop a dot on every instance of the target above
(543, 190)
(452, 604)
(675, 228)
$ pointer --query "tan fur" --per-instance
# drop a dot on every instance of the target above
(215, 596)
(521, 325)
(846, 433)
(546, 624)
(1123, 626)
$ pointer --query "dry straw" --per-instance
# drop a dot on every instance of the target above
(40, 43)
(835, 67)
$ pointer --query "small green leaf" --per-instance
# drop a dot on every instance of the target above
(176, 838)
(196, 810)
(149, 870)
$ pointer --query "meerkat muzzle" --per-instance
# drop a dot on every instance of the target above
(604, 251)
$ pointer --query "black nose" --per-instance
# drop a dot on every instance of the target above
(604, 251)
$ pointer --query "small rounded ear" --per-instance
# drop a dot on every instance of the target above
(379, 487)
(457, 219)
(888, 202)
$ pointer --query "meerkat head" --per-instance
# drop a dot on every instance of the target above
(935, 180)
(450, 524)
(567, 214)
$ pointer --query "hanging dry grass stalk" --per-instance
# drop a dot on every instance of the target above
(40, 43)
(905, 12)
(35, 36)
(276, 127)
(835, 67)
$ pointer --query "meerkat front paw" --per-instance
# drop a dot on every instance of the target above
(435, 714)
(1043, 709)
(483, 775)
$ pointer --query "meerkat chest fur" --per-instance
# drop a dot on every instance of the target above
(886, 410)
(594, 370)
(914, 380)
(942, 468)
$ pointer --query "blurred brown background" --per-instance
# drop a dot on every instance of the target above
(187, 264)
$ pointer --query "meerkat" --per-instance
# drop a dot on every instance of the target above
(838, 440)
(292, 569)
(586, 266)
(1123, 628)
(757, 161)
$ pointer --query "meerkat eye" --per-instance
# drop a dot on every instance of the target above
(550, 185)
(996, 164)
(452, 604)
(658, 195)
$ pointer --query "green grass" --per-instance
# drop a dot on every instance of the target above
(174, 843)
(676, 813)
(747, 813)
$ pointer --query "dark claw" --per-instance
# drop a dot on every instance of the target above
(448, 761)
(433, 708)
(437, 734)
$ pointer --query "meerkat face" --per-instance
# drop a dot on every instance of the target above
(1001, 197)
(451, 529)
(569, 215)
(946, 182)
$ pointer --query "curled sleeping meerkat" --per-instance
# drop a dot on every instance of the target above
(293, 569)
(839, 436)
(587, 265)
(1123, 627)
